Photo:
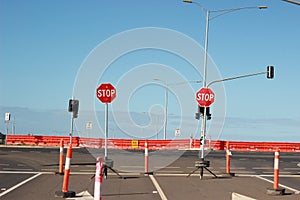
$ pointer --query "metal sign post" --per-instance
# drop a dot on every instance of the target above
(106, 131)
(106, 93)
(7, 119)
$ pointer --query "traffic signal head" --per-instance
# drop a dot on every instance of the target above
(197, 116)
(201, 113)
(73, 107)
(270, 72)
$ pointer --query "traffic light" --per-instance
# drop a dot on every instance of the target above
(197, 116)
(201, 113)
(270, 72)
(73, 107)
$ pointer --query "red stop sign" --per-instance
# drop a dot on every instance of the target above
(205, 97)
(106, 93)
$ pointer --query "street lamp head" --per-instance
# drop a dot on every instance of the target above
(262, 7)
(187, 1)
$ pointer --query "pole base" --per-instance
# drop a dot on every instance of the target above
(65, 194)
(276, 192)
(228, 174)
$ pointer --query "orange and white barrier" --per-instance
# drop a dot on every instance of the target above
(228, 154)
(37, 140)
(61, 157)
(276, 171)
(65, 193)
(146, 157)
(98, 180)
(67, 170)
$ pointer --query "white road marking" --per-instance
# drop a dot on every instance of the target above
(281, 172)
(263, 168)
(167, 167)
(16, 169)
(158, 188)
(132, 166)
(234, 168)
(19, 184)
(49, 170)
(281, 185)
(292, 169)
(169, 171)
(244, 172)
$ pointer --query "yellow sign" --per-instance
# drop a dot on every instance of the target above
(134, 144)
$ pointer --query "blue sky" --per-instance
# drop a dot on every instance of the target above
(44, 44)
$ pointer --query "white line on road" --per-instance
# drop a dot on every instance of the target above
(19, 184)
(166, 167)
(281, 172)
(16, 169)
(292, 169)
(263, 168)
(284, 186)
(158, 188)
(234, 168)
(124, 166)
(169, 171)
(24, 172)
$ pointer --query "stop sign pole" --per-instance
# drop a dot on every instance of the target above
(106, 93)
(204, 97)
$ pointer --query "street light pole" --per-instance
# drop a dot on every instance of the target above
(207, 19)
(166, 100)
(166, 110)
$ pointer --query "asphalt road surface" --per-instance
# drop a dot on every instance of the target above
(30, 173)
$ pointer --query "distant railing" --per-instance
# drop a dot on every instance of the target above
(134, 144)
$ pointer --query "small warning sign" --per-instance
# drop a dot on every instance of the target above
(135, 144)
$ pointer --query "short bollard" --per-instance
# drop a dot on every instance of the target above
(61, 157)
(276, 190)
(146, 157)
(98, 180)
(65, 193)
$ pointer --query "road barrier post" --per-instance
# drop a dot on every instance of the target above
(98, 180)
(276, 171)
(228, 154)
(65, 193)
(146, 157)
(276, 190)
(227, 158)
(61, 157)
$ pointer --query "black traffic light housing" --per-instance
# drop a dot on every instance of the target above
(201, 113)
(270, 72)
(73, 107)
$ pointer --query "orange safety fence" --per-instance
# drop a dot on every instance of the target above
(135, 144)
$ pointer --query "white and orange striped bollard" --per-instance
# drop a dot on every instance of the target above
(276, 171)
(65, 193)
(227, 158)
(61, 157)
(146, 157)
(98, 180)
(276, 190)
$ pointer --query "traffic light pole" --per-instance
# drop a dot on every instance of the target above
(235, 77)
(71, 128)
